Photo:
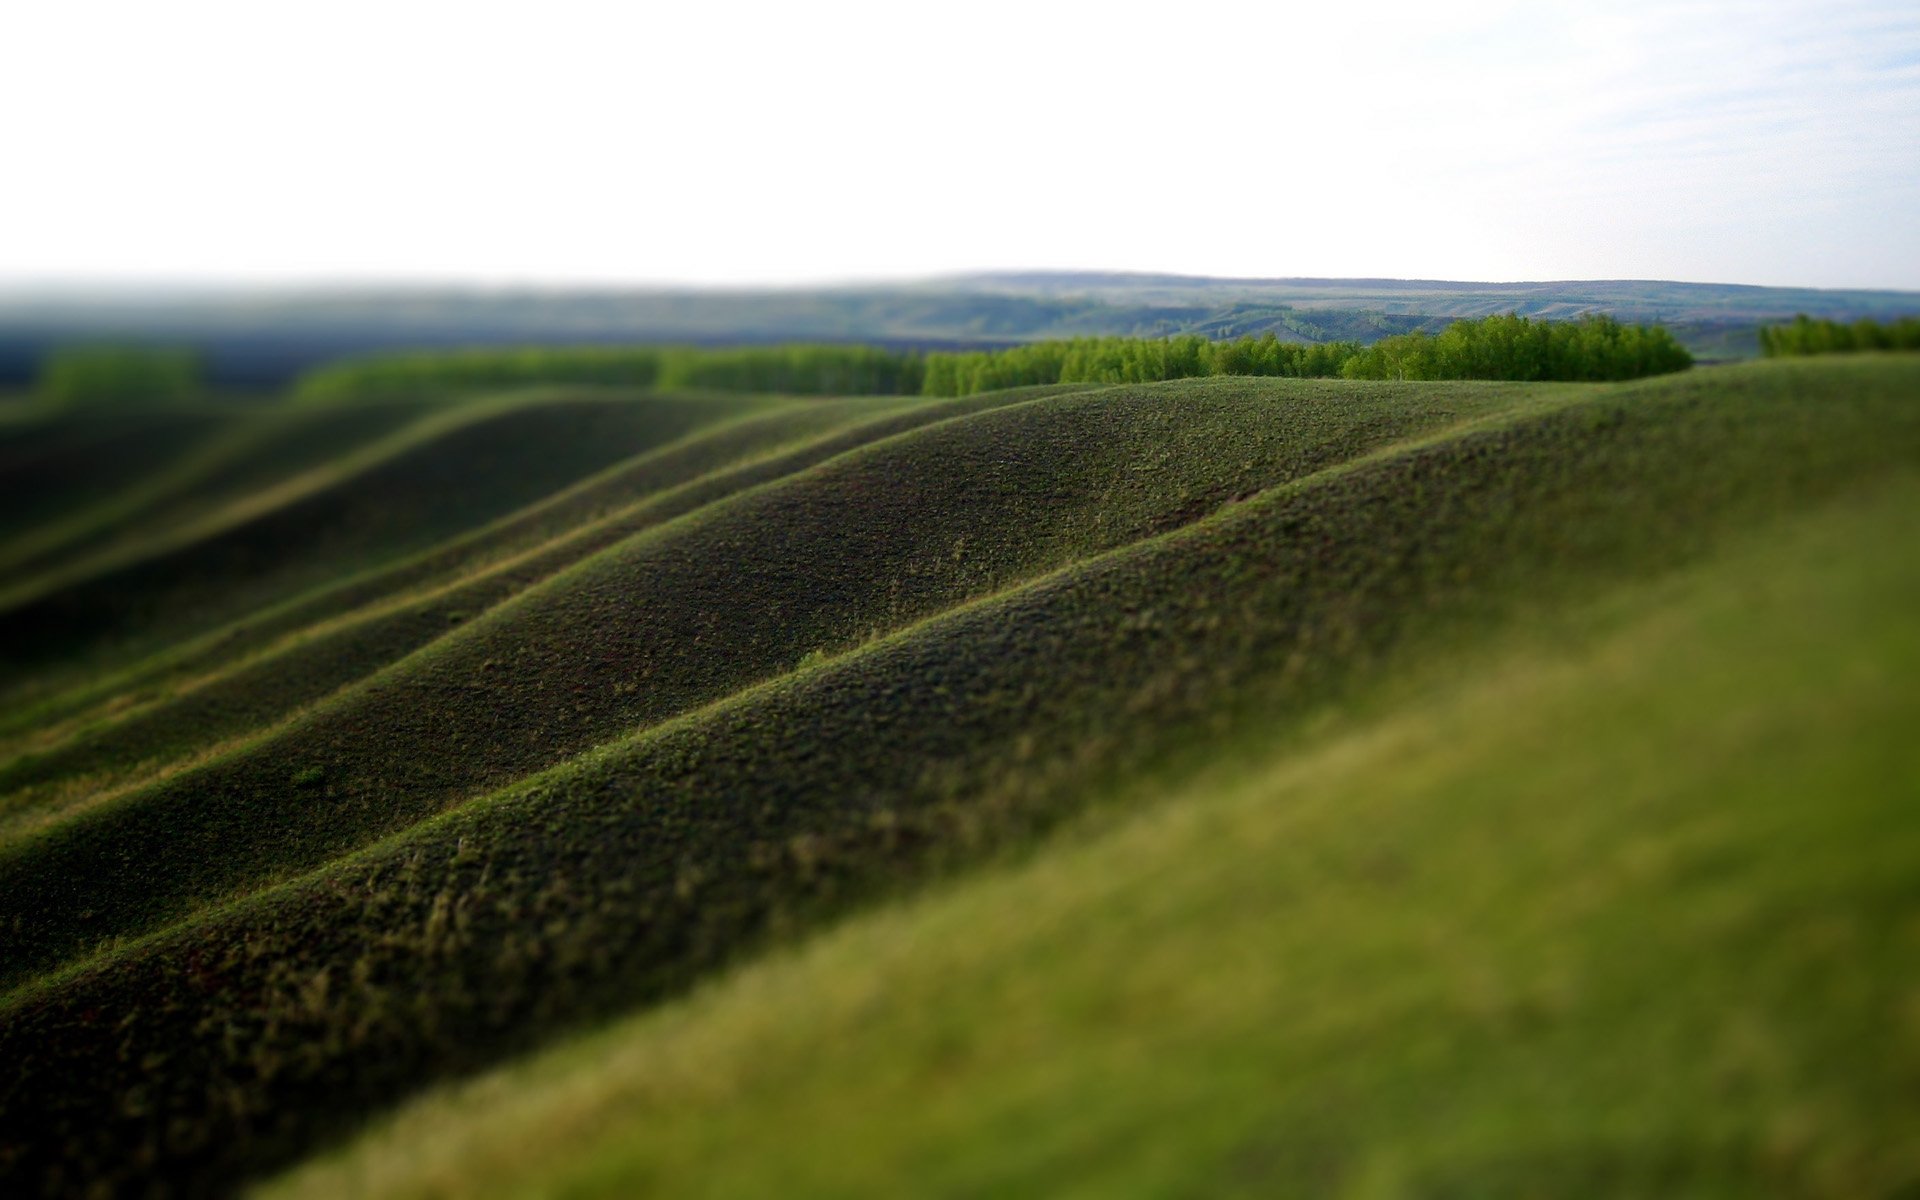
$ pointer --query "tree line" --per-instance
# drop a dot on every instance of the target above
(1501, 347)
(1510, 347)
(1806, 335)
(1129, 360)
(1594, 348)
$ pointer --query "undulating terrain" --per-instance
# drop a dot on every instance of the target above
(1220, 786)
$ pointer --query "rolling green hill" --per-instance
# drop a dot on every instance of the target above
(254, 452)
(54, 469)
(1169, 787)
(455, 468)
(1631, 919)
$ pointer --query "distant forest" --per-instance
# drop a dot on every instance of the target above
(1502, 348)
(1505, 347)
(1805, 335)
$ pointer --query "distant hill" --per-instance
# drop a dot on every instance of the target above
(257, 338)
(1627, 299)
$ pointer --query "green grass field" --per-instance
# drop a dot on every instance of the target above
(1634, 918)
(1222, 786)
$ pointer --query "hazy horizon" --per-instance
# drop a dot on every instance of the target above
(82, 288)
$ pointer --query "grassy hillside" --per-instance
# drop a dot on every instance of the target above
(55, 468)
(255, 452)
(761, 675)
(408, 606)
(681, 616)
(434, 478)
(724, 431)
(1563, 919)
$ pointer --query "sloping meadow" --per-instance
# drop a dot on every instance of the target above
(706, 732)
(679, 616)
(269, 664)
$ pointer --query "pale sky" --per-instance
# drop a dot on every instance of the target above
(564, 142)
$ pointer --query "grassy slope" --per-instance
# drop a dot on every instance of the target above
(717, 460)
(431, 482)
(56, 467)
(723, 430)
(629, 872)
(654, 488)
(1625, 911)
(682, 616)
(258, 449)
